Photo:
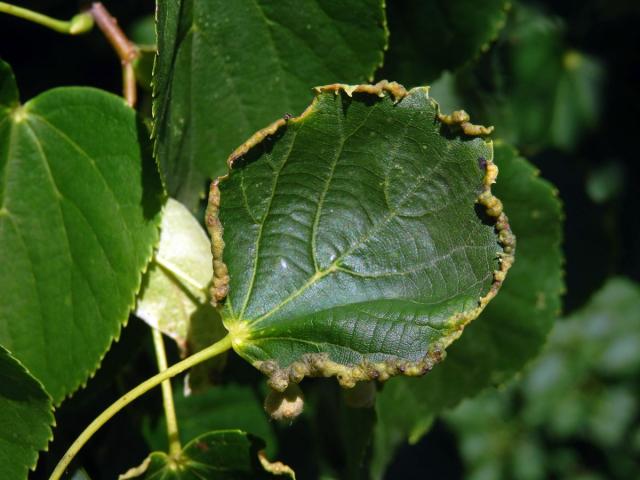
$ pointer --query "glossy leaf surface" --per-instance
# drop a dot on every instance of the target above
(509, 332)
(354, 244)
(25, 418)
(80, 200)
(226, 69)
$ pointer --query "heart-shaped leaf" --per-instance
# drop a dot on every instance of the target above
(226, 69)
(510, 331)
(360, 237)
(25, 418)
(220, 455)
(80, 199)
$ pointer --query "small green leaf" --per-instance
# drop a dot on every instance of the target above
(25, 418)
(359, 240)
(80, 202)
(175, 286)
(226, 69)
(221, 455)
(219, 408)
(431, 36)
(510, 331)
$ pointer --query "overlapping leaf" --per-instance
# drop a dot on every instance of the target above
(512, 329)
(226, 69)
(25, 418)
(354, 244)
(175, 287)
(431, 36)
(79, 208)
(223, 455)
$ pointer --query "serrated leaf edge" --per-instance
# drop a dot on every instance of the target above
(90, 372)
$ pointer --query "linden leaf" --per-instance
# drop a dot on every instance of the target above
(360, 237)
(225, 69)
(223, 455)
(175, 286)
(25, 418)
(80, 201)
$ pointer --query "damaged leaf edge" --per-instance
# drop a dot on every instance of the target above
(319, 364)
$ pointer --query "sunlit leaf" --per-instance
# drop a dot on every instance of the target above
(80, 199)
(360, 237)
(175, 286)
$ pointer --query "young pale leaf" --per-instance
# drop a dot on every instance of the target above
(361, 237)
(175, 287)
(25, 418)
(223, 455)
(431, 36)
(80, 202)
(510, 331)
(225, 69)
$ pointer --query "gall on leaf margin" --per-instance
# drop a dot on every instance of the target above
(319, 364)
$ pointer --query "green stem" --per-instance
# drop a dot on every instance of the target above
(203, 355)
(167, 395)
(81, 23)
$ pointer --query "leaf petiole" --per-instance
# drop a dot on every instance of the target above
(80, 23)
(217, 348)
(167, 395)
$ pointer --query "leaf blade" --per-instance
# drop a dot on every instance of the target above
(292, 310)
(73, 250)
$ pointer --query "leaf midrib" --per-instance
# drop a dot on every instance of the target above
(334, 266)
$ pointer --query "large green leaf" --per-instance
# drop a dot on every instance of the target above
(431, 36)
(220, 455)
(226, 69)
(512, 329)
(25, 418)
(360, 237)
(79, 208)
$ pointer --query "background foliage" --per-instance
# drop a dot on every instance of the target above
(558, 82)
